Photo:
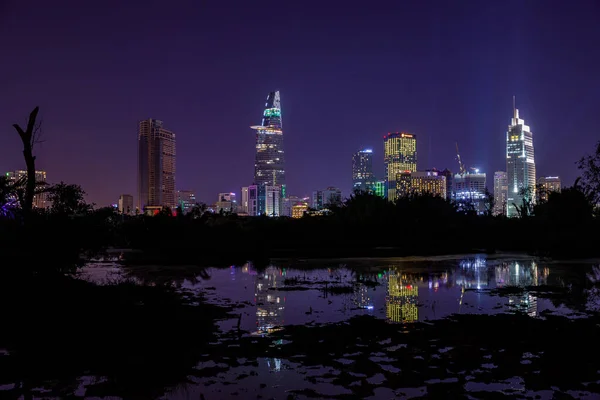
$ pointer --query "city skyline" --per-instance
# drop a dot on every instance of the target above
(336, 101)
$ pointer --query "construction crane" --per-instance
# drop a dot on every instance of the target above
(461, 166)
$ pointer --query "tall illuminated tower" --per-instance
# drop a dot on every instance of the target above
(269, 164)
(156, 165)
(362, 171)
(400, 155)
(520, 162)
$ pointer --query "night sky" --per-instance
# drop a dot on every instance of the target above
(348, 72)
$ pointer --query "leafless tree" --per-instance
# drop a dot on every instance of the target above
(29, 136)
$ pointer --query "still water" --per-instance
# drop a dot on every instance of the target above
(400, 291)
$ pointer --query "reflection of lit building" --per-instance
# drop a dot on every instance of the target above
(269, 304)
(402, 298)
(473, 274)
(525, 303)
(522, 275)
(361, 296)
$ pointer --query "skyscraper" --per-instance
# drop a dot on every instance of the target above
(156, 165)
(244, 204)
(269, 164)
(500, 189)
(400, 155)
(362, 170)
(520, 163)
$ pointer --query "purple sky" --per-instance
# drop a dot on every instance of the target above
(445, 70)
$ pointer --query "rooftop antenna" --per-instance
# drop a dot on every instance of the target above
(515, 114)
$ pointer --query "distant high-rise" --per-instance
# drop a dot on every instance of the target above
(273, 200)
(400, 155)
(244, 204)
(469, 189)
(520, 163)
(548, 184)
(269, 164)
(186, 199)
(363, 178)
(500, 191)
(156, 166)
(227, 202)
(322, 199)
(125, 204)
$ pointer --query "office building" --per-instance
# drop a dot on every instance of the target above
(269, 164)
(186, 199)
(243, 206)
(363, 178)
(156, 165)
(322, 199)
(289, 202)
(500, 192)
(125, 204)
(546, 185)
(400, 155)
(253, 194)
(40, 198)
(227, 203)
(379, 189)
(298, 210)
(273, 200)
(419, 183)
(520, 163)
(469, 190)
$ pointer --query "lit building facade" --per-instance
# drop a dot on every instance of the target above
(322, 199)
(125, 204)
(469, 188)
(420, 182)
(269, 164)
(156, 165)
(290, 202)
(227, 203)
(547, 185)
(273, 200)
(186, 199)
(380, 188)
(520, 163)
(500, 192)
(40, 198)
(298, 210)
(400, 155)
(253, 194)
(244, 204)
(363, 178)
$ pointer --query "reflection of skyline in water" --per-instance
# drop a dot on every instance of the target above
(412, 291)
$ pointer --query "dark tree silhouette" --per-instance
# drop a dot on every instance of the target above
(590, 179)
(68, 199)
(29, 136)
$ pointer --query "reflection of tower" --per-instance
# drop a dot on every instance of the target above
(269, 304)
(522, 275)
(360, 297)
(401, 300)
(473, 273)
